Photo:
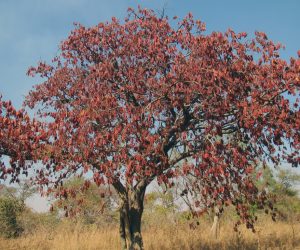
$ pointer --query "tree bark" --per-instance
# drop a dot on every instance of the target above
(131, 211)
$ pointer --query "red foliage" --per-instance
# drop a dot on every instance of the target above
(20, 138)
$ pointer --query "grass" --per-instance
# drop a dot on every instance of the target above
(269, 235)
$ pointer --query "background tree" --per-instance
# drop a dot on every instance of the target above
(122, 97)
(161, 205)
(9, 209)
(12, 205)
(90, 204)
(282, 186)
(192, 198)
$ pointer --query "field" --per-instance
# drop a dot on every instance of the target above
(269, 235)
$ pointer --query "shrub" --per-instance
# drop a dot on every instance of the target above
(9, 210)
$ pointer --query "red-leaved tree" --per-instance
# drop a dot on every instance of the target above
(139, 100)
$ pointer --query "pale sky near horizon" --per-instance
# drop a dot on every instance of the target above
(31, 30)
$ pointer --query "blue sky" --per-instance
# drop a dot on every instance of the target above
(31, 30)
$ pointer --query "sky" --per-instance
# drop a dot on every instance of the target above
(31, 30)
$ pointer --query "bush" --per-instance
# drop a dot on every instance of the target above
(9, 210)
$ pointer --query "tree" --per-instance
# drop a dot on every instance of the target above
(92, 205)
(9, 210)
(12, 205)
(161, 207)
(286, 182)
(193, 199)
(281, 186)
(131, 101)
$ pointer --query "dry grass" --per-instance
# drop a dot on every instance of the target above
(269, 235)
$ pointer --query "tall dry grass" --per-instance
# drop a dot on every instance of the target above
(269, 235)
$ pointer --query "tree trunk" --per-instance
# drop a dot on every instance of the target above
(215, 229)
(131, 212)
